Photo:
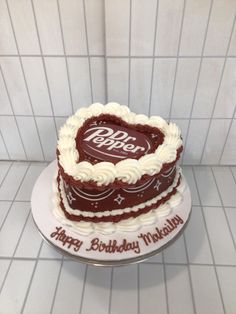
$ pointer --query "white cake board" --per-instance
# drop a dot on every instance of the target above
(77, 245)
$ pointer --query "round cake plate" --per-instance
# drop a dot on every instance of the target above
(116, 249)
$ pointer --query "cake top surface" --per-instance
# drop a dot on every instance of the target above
(105, 144)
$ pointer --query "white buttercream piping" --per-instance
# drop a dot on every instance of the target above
(128, 225)
(128, 170)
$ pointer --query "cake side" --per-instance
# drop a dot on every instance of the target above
(83, 227)
(111, 214)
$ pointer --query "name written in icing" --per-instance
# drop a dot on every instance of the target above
(160, 233)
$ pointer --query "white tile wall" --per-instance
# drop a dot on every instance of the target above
(117, 71)
(170, 14)
(170, 58)
(73, 24)
(140, 76)
(142, 27)
(24, 27)
(117, 36)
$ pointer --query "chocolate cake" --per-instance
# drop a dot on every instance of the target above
(116, 169)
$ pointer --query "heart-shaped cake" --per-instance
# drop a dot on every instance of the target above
(117, 169)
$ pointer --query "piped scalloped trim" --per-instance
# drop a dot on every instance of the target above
(127, 171)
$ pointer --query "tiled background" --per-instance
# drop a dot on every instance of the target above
(175, 58)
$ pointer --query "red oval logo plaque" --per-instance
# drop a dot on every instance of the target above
(110, 142)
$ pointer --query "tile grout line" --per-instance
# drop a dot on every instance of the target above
(129, 53)
(111, 287)
(144, 262)
(25, 80)
(223, 207)
(66, 60)
(198, 78)
(210, 246)
(177, 61)
(105, 51)
(230, 168)
(153, 60)
(186, 264)
(13, 200)
(83, 291)
(5, 145)
(218, 91)
(227, 135)
(165, 281)
(87, 45)
(3, 179)
(189, 274)
(44, 65)
(138, 288)
(31, 278)
(114, 56)
(64, 116)
(57, 284)
(14, 116)
(14, 252)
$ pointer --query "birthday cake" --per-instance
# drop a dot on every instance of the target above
(117, 170)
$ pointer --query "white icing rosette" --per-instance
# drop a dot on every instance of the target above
(174, 130)
(159, 123)
(66, 159)
(66, 143)
(117, 109)
(97, 109)
(128, 171)
(171, 140)
(104, 173)
(141, 119)
(84, 171)
(130, 118)
(68, 130)
(150, 164)
(166, 153)
(75, 121)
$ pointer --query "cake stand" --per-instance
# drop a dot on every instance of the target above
(116, 249)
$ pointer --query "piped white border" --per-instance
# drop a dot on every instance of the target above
(128, 170)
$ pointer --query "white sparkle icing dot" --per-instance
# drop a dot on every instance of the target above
(157, 185)
(119, 199)
(70, 197)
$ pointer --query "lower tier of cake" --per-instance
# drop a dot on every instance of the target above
(126, 219)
